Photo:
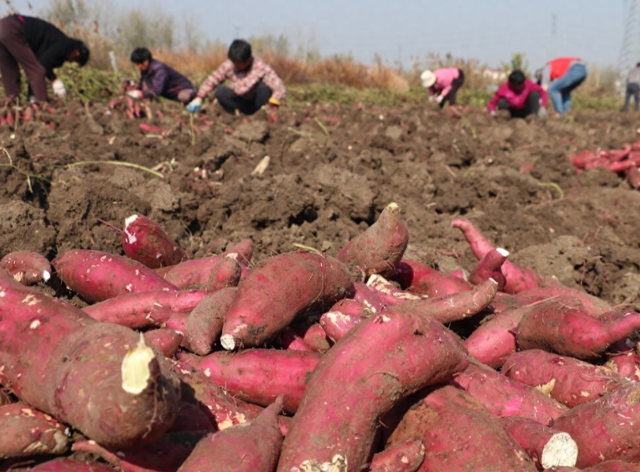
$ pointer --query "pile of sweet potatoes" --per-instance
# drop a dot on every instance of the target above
(624, 161)
(308, 362)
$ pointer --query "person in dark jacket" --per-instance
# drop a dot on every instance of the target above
(38, 47)
(633, 88)
(159, 80)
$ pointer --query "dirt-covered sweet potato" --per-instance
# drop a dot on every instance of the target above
(97, 377)
(71, 465)
(205, 321)
(167, 340)
(279, 289)
(145, 241)
(361, 377)
(405, 456)
(27, 267)
(97, 275)
(343, 317)
(225, 273)
(489, 267)
(380, 248)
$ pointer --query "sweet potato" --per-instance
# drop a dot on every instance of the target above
(459, 434)
(225, 273)
(572, 332)
(591, 305)
(166, 454)
(405, 456)
(145, 241)
(343, 317)
(166, 340)
(28, 432)
(358, 380)
(570, 381)
(626, 364)
(615, 418)
(437, 285)
(389, 293)
(315, 337)
(504, 397)
(289, 339)
(259, 375)
(71, 465)
(97, 275)
(244, 250)
(204, 323)
(368, 297)
(279, 289)
(546, 446)
(613, 466)
(144, 309)
(489, 267)
(408, 273)
(380, 248)
(192, 418)
(27, 267)
(251, 447)
(98, 377)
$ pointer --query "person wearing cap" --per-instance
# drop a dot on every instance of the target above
(521, 96)
(157, 79)
(633, 88)
(38, 47)
(443, 84)
(252, 84)
(560, 77)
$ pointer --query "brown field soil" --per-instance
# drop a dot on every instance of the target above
(331, 171)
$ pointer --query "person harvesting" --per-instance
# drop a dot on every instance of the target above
(560, 77)
(521, 96)
(443, 84)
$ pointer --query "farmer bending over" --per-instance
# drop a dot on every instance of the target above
(159, 80)
(521, 96)
(252, 84)
(560, 76)
(443, 84)
(38, 47)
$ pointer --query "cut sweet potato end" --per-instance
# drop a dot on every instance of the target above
(561, 450)
(135, 368)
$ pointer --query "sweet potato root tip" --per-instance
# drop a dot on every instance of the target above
(135, 368)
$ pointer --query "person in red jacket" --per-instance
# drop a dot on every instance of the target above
(521, 96)
(560, 77)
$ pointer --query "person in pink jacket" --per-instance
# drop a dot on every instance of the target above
(521, 96)
(443, 84)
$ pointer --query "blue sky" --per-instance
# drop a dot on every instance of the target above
(487, 30)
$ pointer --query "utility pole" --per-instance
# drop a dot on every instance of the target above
(630, 49)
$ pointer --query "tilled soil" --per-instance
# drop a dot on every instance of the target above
(331, 171)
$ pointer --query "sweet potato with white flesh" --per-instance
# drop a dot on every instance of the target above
(166, 340)
(145, 241)
(204, 323)
(403, 457)
(505, 397)
(454, 307)
(571, 332)
(97, 275)
(226, 273)
(489, 268)
(166, 454)
(380, 247)
(27, 267)
(368, 297)
(389, 293)
(144, 309)
(71, 465)
(546, 446)
(607, 428)
(28, 432)
(361, 377)
(259, 375)
(279, 289)
(250, 447)
(517, 278)
(342, 318)
(460, 434)
(97, 377)
(570, 381)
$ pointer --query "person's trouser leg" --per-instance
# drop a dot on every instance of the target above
(260, 96)
(10, 73)
(627, 97)
(186, 95)
(533, 103)
(228, 99)
(563, 86)
(13, 38)
(455, 86)
(636, 97)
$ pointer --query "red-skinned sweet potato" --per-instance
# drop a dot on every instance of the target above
(98, 377)
(614, 417)
(28, 432)
(408, 273)
(343, 317)
(71, 465)
(405, 456)
(192, 418)
(204, 323)
(380, 248)
(251, 447)
(504, 397)
(289, 339)
(145, 241)
(389, 293)
(594, 306)
(368, 297)
(97, 275)
(259, 375)
(613, 466)
(144, 309)
(358, 380)
(546, 446)
(437, 285)
(27, 267)
(570, 381)
(489, 268)
(279, 289)
(459, 434)
(626, 364)
(166, 340)
(225, 273)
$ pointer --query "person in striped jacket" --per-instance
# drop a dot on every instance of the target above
(250, 83)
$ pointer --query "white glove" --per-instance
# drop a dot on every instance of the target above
(194, 106)
(542, 112)
(58, 88)
(439, 99)
(492, 113)
(135, 94)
